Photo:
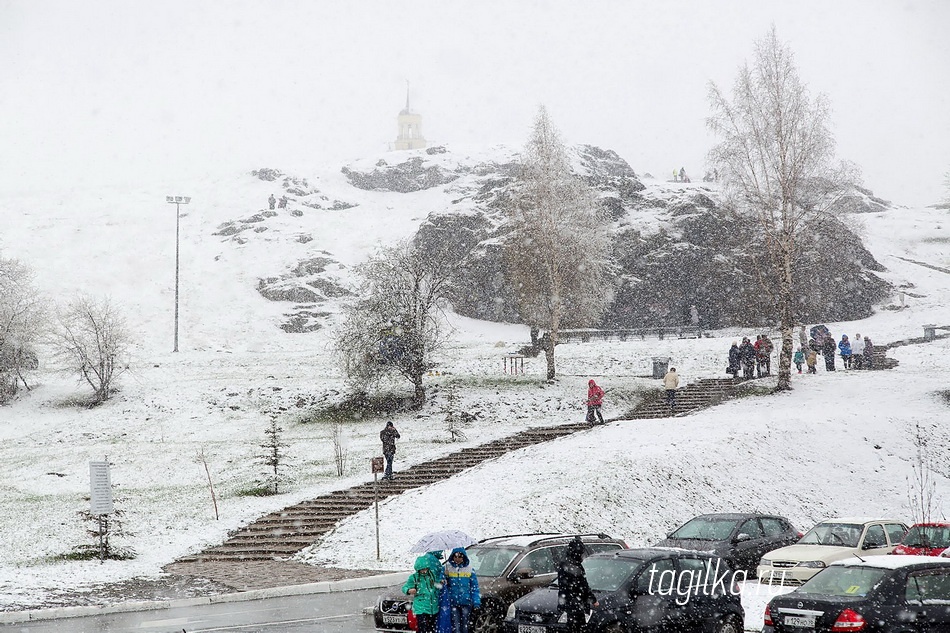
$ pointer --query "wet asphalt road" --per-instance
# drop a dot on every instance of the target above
(340, 612)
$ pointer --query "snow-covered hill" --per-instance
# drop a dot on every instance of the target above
(839, 444)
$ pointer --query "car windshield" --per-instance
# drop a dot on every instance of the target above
(838, 534)
(843, 581)
(929, 536)
(490, 561)
(609, 574)
(706, 529)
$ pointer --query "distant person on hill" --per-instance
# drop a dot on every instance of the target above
(735, 359)
(272, 201)
(844, 346)
(676, 177)
(868, 353)
(388, 436)
(595, 399)
(857, 352)
(799, 359)
(670, 382)
(828, 348)
(747, 354)
(811, 359)
(282, 203)
(683, 176)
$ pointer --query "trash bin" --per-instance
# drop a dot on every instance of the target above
(930, 332)
(661, 365)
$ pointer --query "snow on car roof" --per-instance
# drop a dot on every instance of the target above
(859, 520)
(892, 562)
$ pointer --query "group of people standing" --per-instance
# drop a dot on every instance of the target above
(754, 359)
(856, 354)
(446, 592)
(439, 590)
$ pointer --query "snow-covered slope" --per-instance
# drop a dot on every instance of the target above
(838, 444)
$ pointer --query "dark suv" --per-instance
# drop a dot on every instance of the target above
(508, 567)
(739, 538)
(640, 590)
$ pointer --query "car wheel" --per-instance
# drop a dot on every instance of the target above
(487, 619)
(728, 624)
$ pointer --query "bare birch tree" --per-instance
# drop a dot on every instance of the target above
(396, 325)
(775, 158)
(23, 316)
(90, 339)
(557, 252)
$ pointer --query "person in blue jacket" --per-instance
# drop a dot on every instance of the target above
(463, 589)
(844, 346)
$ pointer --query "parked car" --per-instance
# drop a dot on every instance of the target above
(831, 540)
(508, 567)
(925, 539)
(640, 590)
(886, 594)
(740, 539)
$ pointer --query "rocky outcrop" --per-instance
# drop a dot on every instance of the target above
(410, 175)
(307, 284)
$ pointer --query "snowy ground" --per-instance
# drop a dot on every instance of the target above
(839, 444)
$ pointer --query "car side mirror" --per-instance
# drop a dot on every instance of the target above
(743, 537)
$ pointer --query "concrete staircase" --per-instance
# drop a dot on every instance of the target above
(287, 531)
(694, 396)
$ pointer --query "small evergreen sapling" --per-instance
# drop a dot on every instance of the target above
(274, 458)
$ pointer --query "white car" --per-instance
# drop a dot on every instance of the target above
(830, 540)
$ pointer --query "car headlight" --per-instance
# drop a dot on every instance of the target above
(563, 618)
(811, 563)
(765, 562)
(510, 614)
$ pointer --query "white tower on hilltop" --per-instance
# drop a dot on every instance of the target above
(410, 128)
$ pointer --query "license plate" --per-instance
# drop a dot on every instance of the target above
(531, 628)
(395, 619)
(800, 622)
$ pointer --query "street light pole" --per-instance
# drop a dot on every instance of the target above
(177, 201)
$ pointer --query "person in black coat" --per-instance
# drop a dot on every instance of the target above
(747, 356)
(734, 360)
(828, 349)
(574, 595)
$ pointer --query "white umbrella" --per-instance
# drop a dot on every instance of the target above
(442, 539)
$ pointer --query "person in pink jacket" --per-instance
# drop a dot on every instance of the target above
(595, 399)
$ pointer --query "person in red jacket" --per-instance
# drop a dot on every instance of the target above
(595, 398)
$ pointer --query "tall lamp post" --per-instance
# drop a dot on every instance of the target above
(177, 201)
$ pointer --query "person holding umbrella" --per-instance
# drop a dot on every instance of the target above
(424, 589)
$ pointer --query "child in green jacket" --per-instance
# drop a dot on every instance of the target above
(424, 588)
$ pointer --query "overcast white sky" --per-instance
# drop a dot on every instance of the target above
(103, 92)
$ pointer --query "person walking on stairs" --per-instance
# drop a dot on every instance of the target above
(670, 382)
(388, 436)
(595, 399)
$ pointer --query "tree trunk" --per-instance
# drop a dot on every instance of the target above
(419, 393)
(549, 354)
(786, 322)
